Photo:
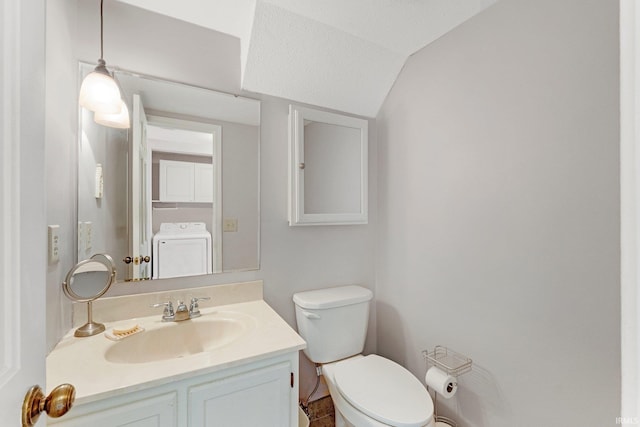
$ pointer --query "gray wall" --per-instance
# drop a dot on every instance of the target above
(499, 213)
(292, 259)
(108, 147)
(61, 121)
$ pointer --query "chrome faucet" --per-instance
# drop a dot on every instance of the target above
(194, 309)
(168, 315)
(181, 312)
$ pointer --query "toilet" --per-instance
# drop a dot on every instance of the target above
(367, 391)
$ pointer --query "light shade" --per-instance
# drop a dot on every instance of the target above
(118, 120)
(99, 91)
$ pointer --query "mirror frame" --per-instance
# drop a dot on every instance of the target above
(297, 215)
(109, 268)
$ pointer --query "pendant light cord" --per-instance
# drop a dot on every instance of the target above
(101, 32)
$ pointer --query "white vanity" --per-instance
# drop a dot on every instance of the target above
(235, 366)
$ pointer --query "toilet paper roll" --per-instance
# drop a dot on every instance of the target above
(444, 384)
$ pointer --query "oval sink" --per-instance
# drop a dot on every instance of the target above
(180, 339)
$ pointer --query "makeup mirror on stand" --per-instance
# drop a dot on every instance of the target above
(86, 282)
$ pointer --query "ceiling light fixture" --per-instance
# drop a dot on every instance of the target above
(100, 92)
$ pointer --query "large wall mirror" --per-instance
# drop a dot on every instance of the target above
(177, 194)
(327, 168)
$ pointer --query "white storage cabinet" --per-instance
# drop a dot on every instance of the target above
(186, 182)
(262, 393)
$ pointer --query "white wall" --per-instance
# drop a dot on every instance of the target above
(499, 213)
(292, 259)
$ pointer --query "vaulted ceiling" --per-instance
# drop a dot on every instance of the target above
(339, 54)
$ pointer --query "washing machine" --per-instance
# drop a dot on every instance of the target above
(182, 249)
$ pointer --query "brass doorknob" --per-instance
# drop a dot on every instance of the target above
(55, 405)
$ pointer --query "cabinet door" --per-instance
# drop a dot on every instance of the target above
(176, 181)
(328, 168)
(261, 397)
(203, 182)
(158, 411)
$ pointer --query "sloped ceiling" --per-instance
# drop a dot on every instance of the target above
(339, 54)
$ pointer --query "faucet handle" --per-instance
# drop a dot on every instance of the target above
(194, 309)
(168, 315)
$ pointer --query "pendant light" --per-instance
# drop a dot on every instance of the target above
(118, 120)
(99, 91)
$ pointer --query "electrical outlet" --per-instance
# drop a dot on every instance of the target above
(230, 225)
(53, 238)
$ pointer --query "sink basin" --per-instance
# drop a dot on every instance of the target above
(181, 339)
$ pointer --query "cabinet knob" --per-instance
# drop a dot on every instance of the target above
(127, 260)
(301, 165)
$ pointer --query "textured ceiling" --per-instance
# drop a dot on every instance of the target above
(343, 55)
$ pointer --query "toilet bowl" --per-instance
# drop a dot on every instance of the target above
(371, 391)
(367, 391)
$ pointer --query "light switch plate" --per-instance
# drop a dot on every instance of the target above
(88, 235)
(81, 237)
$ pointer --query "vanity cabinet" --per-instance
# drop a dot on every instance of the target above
(262, 393)
(256, 398)
(131, 410)
(186, 182)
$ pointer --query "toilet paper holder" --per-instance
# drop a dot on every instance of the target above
(452, 363)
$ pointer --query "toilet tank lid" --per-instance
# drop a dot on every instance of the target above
(332, 297)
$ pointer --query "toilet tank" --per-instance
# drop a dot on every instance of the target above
(333, 321)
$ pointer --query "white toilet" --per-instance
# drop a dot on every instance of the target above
(367, 391)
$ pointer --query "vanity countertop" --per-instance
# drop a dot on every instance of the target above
(82, 361)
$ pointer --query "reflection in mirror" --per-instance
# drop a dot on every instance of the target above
(328, 168)
(332, 168)
(87, 281)
(157, 196)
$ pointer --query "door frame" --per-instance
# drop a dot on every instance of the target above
(216, 132)
(629, 209)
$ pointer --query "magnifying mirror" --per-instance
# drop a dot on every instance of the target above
(86, 282)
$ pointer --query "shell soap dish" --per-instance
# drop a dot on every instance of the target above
(115, 334)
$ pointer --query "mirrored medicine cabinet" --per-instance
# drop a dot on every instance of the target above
(188, 167)
(328, 168)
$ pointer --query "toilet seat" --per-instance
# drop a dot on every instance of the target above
(384, 390)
